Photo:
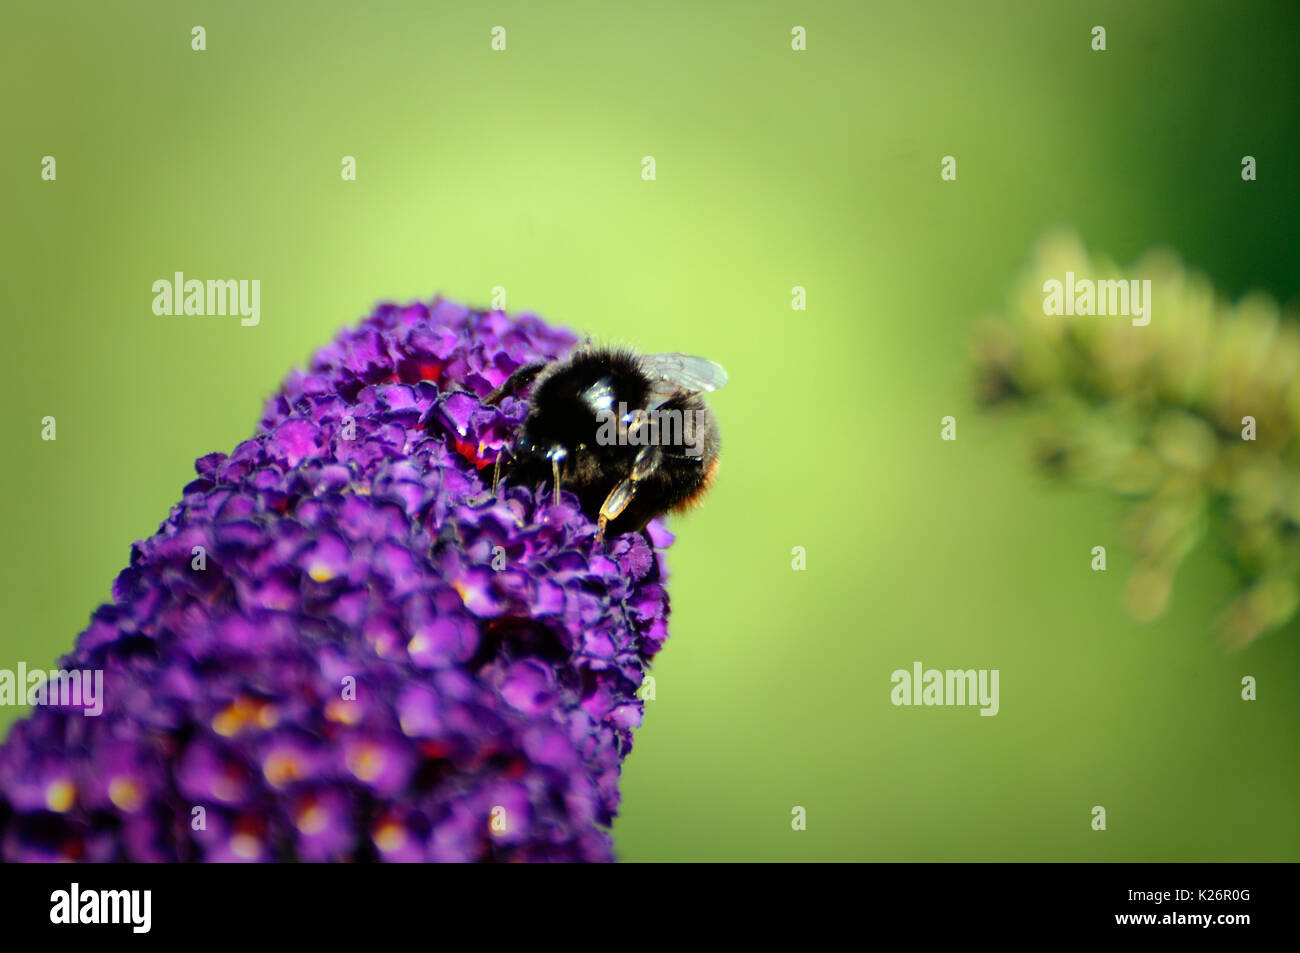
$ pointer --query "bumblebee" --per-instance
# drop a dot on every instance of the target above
(629, 434)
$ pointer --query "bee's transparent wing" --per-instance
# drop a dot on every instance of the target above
(672, 375)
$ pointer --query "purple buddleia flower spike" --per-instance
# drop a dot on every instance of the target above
(341, 646)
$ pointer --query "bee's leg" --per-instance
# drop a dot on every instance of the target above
(647, 462)
(521, 378)
(614, 505)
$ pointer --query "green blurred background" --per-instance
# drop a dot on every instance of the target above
(775, 168)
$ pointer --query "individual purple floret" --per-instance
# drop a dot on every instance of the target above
(341, 646)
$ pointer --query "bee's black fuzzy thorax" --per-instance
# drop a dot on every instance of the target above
(559, 412)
